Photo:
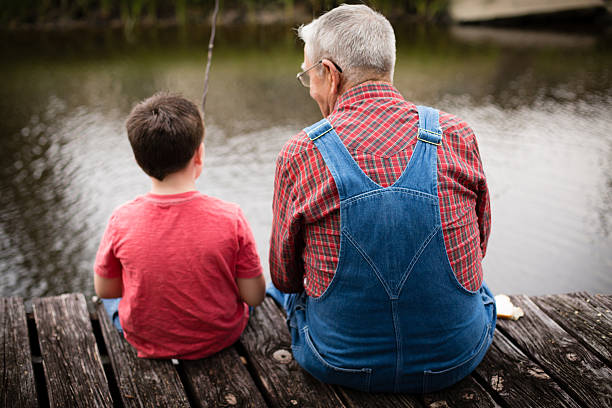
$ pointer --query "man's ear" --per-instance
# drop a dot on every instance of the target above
(334, 76)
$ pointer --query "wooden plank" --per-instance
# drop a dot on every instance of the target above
(605, 300)
(268, 345)
(360, 399)
(142, 382)
(466, 393)
(578, 371)
(17, 387)
(518, 381)
(586, 321)
(71, 360)
(222, 380)
(482, 10)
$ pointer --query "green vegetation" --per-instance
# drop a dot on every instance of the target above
(128, 13)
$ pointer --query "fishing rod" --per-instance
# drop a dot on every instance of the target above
(211, 42)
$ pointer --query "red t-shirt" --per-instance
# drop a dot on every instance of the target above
(179, 256)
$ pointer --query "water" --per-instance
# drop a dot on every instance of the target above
(539, 103)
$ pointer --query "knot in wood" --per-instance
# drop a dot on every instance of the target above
(572, 356)
(282, 356)
(468, 396)
(497, 383)
(231, 399)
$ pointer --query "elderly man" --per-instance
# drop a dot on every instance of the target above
(381, 220)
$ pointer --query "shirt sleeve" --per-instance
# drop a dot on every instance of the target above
(107, 265)
(286, 243)
(248, 264)
(483, 205)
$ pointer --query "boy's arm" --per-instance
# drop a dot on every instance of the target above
(108, 282)
(252, 290)
(249, 273)
(108, 287)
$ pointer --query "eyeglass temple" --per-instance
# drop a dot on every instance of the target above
(335, 65)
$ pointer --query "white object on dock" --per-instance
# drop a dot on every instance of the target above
(506, 310)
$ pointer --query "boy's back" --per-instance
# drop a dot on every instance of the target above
(181, 255)
(184, 264)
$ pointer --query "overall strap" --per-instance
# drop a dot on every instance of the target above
(349, 178)
(421, 173)
(429, 125)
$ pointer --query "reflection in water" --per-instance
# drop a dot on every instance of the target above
(540, 113)
(43, 245)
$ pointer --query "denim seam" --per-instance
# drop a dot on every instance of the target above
(319, 357)
(398, 344)
(382, 190)
(370, 262)
(416, 257)
(483, 341)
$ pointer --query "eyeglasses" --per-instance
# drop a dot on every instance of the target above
(304, 76)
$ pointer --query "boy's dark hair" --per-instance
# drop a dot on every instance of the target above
(164, 130)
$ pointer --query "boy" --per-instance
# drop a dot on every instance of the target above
(185, 264)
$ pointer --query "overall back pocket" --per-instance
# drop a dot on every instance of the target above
(312, 361)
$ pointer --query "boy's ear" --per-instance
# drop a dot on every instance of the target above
(199, 154)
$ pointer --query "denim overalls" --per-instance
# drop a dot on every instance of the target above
(394, 318)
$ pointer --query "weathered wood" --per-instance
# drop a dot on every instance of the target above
(577, 370)
(466, 393)
(355, 399)
(17, 387)
(221, 380)
(71, 360)
(605, 300)
(482, 10)
(552, 357)
(585, 320)
(142, 382)
(268, 346)
(518, 381)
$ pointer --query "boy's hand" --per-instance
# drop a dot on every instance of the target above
(252, 290)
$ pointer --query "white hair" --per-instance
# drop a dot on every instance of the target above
(355, 37)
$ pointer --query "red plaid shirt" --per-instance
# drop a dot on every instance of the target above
(379, 128)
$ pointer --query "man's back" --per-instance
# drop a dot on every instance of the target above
(179, 256)
(379, 128)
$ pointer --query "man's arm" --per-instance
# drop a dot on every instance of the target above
(286, 244)
(483, 205)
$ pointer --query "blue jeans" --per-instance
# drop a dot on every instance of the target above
(112, 310)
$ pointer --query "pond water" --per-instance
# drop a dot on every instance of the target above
(539, 102)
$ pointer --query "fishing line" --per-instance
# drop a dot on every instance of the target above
(210, 50)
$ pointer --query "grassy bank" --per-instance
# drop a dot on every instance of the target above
(129, 13)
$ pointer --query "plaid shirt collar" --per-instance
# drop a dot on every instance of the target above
(366, 90)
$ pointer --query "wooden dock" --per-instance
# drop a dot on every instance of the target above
(66, 353)
(485, 10)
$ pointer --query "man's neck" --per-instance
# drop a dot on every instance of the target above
(174, 183)
(346, 87)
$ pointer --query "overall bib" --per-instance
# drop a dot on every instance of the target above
(394, 318)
